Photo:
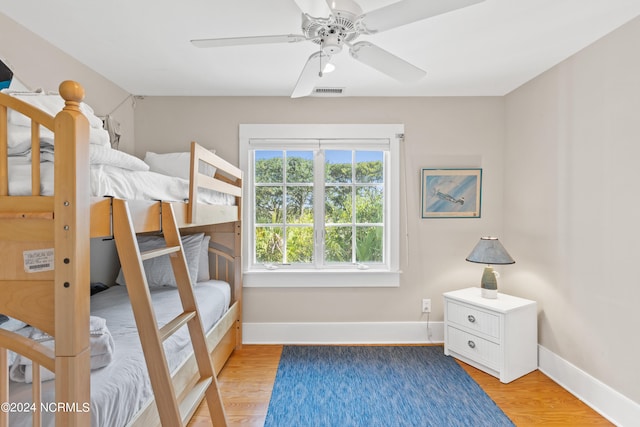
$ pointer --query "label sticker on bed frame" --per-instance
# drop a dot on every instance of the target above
(38, 260)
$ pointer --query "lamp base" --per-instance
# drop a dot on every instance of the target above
(489, 283)
(489, 293)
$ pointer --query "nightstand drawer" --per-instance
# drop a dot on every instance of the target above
(473, 319)
(474, 347)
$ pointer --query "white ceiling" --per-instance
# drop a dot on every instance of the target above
(144, 46)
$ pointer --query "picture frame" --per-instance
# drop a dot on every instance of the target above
(451, 193)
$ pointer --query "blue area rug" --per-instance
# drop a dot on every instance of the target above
(363, 386)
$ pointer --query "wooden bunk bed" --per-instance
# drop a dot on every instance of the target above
(57, 301)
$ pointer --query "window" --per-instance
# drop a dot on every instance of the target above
(320, 204)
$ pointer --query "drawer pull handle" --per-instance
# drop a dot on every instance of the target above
(471, 318)
(471, 344)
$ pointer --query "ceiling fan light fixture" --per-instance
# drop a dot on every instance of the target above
(328, 68)
(331, 48)
(331, 41)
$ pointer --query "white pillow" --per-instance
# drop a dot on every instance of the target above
(105, 155)
(175, 164)
(158, 270)
(203, 266)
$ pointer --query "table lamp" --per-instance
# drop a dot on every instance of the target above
(489, 251)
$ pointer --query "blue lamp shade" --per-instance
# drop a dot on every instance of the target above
(489, 251)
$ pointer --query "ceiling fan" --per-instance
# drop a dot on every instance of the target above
(333, 24)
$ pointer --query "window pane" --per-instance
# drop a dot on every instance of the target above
(269, 205)
(369, 244)
(338, 205)
(338, 243)
(369, 166)
(299, 244)
(268, 166)
(345, 181)
(369, 203)
(269, 245)
(300, 204)
(338, 166)
(299, 167)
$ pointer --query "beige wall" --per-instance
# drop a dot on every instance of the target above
(449, 132)
(571, 172)
(38, 64)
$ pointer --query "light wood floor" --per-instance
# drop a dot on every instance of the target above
(533, 400)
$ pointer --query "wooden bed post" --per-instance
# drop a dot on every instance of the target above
(237, 278)
(72, 242)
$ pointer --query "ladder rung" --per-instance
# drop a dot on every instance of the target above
(170, 328)
(154, 253)
(191, 401)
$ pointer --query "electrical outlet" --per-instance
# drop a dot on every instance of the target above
(426, 305)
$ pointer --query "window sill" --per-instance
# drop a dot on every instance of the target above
(321, 279)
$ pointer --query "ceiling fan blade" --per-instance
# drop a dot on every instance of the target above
(386, 62)
(350, 7)
(315, 8)
(408, 11)
(310, 75)
(239, 41)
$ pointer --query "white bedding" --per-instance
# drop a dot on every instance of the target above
(113, 173)
(20, 177)
(119, 390)
(109, 180)
(146, 185)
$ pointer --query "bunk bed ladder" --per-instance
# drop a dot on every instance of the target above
(152, 337)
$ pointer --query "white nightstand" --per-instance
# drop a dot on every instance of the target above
(498, 336)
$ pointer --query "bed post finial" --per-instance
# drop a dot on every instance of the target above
(73, 94)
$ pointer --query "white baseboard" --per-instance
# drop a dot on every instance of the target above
(612, 405)
(344, 333)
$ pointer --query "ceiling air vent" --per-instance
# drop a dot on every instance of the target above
(328, 91)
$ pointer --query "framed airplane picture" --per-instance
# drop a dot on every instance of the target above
(451, 193)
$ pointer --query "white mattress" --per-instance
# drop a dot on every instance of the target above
(115, 182)
(119, 390)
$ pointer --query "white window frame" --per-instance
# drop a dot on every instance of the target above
(387, 275)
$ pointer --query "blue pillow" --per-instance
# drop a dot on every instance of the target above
(158, 270)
